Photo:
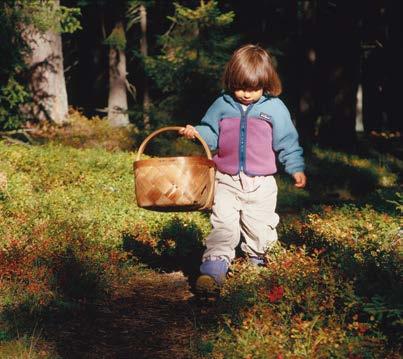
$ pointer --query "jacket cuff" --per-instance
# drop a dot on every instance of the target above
(295, 169)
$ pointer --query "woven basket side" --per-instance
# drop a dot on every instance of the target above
(173, 184)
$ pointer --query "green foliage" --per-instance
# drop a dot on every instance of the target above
(339, 294)
(12, 95)
(83, 132)
(16, 17)
(379, 308)
(289, 197)
(65, 216)
(12, 43)
(70, 236)
(27, 347)
(398, 203)
(335, 177)
(133, 11)
(69, 19)
(189, 66)
(361, 243)
(355, 235)
(117, 38)
(13, 47)
(297, 306)
(204, 17)
(46, 14)
(357, 174)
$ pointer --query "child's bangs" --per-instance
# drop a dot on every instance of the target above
(249, 83)
(249, 80)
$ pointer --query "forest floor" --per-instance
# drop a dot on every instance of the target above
(84, 280)
(157, 319)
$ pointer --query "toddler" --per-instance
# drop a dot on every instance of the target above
(249, 126)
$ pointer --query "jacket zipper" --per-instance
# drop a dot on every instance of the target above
(242, 137)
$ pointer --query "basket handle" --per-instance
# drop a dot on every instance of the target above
(170, 128)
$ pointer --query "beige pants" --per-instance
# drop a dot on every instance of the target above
(237, 210)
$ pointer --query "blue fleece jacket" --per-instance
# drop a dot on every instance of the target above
(284, 139)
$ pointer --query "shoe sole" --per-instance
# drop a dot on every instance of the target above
(206, 287)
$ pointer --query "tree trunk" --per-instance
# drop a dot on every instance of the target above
(46, 76)
(117, 101)
(144, 53)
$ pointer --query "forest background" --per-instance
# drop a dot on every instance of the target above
(84, 272)
(152, 63)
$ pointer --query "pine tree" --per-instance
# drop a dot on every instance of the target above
(188, 69)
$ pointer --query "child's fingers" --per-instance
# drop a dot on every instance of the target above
(300, 180)
(188, 134)
(188, 131)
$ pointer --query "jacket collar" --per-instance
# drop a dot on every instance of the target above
(230, 99)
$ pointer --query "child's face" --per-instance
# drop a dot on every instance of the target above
(247, 97)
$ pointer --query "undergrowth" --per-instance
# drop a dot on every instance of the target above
(71, 236)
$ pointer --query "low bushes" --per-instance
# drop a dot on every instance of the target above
(82, 132)
(365, 245)
(296, 307)
(351, 174)
(72, 236)
(337, 294)
(68, 221)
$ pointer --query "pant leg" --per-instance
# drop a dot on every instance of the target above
(225, 235)
(258, 219)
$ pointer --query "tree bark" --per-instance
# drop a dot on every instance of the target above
(144, 53)
(117, 101)
(46, 76)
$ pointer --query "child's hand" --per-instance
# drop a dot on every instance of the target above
(188, 131)
(300, 179)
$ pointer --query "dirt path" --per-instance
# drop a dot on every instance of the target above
(157, 320)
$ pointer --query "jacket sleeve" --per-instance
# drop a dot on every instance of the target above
(285, 139)
(208, 128)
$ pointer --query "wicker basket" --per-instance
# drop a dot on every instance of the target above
(174, 183)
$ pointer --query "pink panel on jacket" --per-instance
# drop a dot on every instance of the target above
(260, 158)
(227, 158)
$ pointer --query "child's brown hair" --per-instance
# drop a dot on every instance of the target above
(251, 68)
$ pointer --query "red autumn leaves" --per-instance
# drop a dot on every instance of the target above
(275, 294)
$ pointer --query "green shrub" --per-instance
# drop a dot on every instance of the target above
(27, 347)
(364, 245)
(71, 235)
(297, 306)
(351, 174)
(65, 217)
(12, 95)
(83, 132)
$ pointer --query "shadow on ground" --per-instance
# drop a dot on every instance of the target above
(177, 247)
(157, 320)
